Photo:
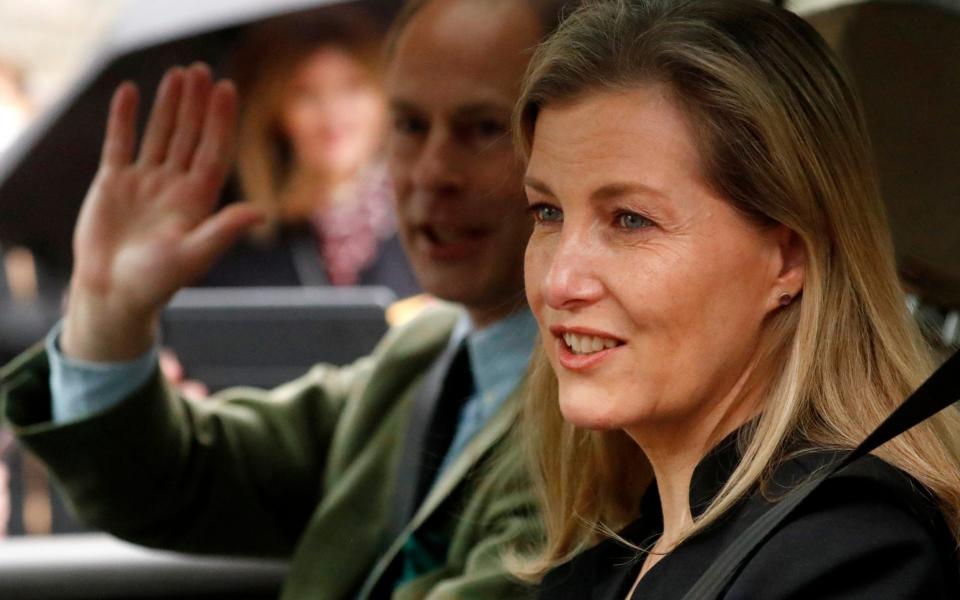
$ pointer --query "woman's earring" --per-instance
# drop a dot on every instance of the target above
(785, 299)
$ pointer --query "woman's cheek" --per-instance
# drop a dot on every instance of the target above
(535, 266)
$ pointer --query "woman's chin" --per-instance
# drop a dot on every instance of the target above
(587, 413)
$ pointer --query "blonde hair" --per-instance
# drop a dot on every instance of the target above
(263, 66)
(782, 138)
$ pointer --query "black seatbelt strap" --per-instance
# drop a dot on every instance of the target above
(938, 392)
(421, 417)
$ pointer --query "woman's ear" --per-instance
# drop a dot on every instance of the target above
(791, 267)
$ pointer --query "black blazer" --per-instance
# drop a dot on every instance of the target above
(870, 532)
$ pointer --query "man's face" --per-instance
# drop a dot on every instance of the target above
(452, 82)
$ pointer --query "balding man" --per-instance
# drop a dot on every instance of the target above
(376, 479)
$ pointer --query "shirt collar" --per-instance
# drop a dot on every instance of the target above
(500, 353)
(714, 470)
(709, 476)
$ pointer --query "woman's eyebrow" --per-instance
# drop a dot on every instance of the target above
(537, 185)
(606, 192)
(617, 190)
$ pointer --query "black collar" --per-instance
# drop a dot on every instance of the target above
(714, 470)
(709, 477)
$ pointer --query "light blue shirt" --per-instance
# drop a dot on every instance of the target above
(81, 388)
(499, 355)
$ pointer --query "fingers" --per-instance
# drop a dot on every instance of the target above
(170, 366)
(193, 389)
(190, 115)
(159, 130)
(191, 123)
(216, 141)
(119, 139)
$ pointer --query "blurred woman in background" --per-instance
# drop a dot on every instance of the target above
(312, 125)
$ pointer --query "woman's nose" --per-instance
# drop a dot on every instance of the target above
(573, 277)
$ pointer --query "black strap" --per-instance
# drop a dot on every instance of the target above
(421, 418)
(458, 386)
(938, 392)
(431, 429)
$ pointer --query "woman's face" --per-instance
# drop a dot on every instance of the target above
(333, 113)
(651, 290)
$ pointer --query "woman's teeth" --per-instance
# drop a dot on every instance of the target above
(587, 344)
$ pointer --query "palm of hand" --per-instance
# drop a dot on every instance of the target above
(132, 240)
(148, 227)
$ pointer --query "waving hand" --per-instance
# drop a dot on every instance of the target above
(148, 225)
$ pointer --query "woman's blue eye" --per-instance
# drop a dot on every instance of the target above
(631, 220)
(544, 213)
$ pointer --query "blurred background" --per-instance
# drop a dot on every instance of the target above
(327, 265)
(60, 59)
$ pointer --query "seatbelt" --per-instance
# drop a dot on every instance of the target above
(422, 411)
(937, 393)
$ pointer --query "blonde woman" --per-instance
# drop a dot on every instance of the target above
(311, 145)
(716, 292)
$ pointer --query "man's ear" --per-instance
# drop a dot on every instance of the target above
(791, 267)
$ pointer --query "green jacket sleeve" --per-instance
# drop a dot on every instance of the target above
(239, 473)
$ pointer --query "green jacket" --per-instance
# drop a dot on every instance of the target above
(305, 471)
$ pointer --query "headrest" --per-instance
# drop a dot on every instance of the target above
(905, 62)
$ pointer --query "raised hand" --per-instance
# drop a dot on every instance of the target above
(148, 225)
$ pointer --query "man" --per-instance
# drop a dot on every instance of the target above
(376, 479)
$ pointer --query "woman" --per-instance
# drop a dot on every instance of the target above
(716, 291)
(311, 132)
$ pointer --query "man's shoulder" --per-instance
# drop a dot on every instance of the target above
(424, 335)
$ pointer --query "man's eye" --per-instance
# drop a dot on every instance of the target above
(481, 133)
(631, 220)
(489, 128)
(409, 125)
(545, 213)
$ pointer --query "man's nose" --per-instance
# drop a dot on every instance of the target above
(439, 167)
(573, 278)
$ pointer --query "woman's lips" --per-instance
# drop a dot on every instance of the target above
(581, 362)
(582, 349)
